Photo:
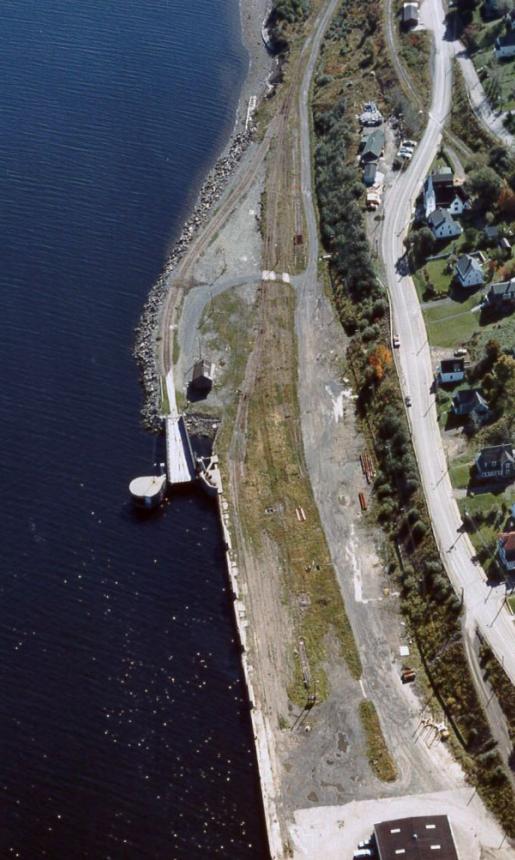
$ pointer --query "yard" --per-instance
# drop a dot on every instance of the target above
(450, 323)
(498, 77)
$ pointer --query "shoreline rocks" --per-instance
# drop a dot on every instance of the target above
(146, 331)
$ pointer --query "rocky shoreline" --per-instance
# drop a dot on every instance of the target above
(261, 67)
(145, 344)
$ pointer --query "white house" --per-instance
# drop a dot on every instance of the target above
(459, 201)
(469, 271)
(443, 224)
(440, 192)
(506, 550)
(505, 46)
(451, 370)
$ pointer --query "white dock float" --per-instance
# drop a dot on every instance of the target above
(180, 462)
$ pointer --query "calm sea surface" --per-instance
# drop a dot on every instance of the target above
(124, 731)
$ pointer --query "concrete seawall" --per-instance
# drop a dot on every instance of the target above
(263, 738)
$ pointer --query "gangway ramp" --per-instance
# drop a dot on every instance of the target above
(180, 462)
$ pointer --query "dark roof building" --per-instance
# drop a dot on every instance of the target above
(409, 14)
(506, 550)
(369, 173)
(496, 462)
(454, 367)
(427, 837)
(444, 176)
(374, 145)
(469, 400)
(491, 232)
(502, 293)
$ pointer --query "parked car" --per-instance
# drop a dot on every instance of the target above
(396, 341)
(407, 400)
(411, 143)
(461, 351)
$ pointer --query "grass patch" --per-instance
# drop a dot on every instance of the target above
(511, 603)
(378, 753)
(165, 401)
(459, 472)
(452, 322)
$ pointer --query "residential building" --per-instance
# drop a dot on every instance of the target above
(501, 296)
(409, 15)
(491, 233)
(469, 271)
(441, 192)
(443, 224)
(451, 370)
(426, 837)
(506, 550)
(496, 462)
(505, 46)
(469, 400)
(369, 173)
(374, 146)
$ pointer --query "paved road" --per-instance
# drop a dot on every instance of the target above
(478, 99)
(483, 605)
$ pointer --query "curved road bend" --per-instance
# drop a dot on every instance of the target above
(484, 606)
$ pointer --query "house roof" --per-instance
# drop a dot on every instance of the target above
(439, 217)
(369, 171)
(444, 176)
(410, 12)
(507, 541)
(496, 456)
(469, 398)
(502, 289)
(374, 143)
(202, 368)
(467, 264)
(491, 231)
(445, 194)
(426, 837)
(506, 41)
(452, 365)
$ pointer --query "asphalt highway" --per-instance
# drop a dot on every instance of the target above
(484, 606)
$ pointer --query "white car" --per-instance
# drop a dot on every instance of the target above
(459, 352)
(405, 153)
(409, 143)
(396, 341)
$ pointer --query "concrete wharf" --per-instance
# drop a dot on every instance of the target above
(180, 460)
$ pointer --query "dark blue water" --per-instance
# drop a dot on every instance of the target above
(124, 731)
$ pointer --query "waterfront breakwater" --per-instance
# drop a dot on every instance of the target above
(146, 330)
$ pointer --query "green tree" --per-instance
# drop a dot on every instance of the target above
(485, 185)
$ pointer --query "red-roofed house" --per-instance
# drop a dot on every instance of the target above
(506, 550)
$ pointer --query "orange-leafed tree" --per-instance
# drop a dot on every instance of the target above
(380, 360)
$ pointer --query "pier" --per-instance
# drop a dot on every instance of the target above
(180, 462)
